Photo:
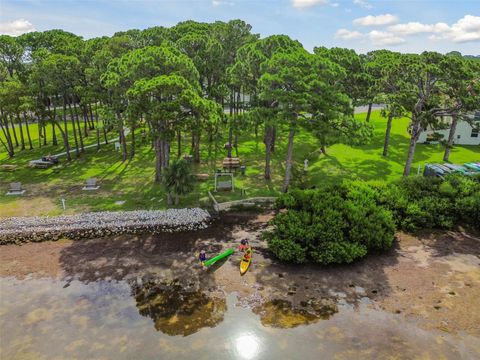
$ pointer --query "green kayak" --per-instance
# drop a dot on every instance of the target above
(218, 257)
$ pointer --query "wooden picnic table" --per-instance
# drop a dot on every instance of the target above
(202, 177)
(231, 163)
(8, 167)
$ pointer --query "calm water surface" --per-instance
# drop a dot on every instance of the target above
(50, 319)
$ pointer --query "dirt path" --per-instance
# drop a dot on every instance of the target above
(433, 278)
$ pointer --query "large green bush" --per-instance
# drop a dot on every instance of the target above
(423, 202)
(332, 224)
(343, 222)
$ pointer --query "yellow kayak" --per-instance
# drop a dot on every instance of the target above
(245, 262)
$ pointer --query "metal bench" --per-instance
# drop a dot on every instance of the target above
(16, 189)
(91, 184)
(224, 185)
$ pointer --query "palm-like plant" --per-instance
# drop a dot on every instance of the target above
(178, 180)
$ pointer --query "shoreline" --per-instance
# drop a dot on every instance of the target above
(17, 230)
(431, 277)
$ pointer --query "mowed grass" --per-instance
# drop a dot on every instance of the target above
(37, 140)
(131, 182)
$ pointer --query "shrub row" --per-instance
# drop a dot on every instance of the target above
(424, 202)
(340, 223)
(333, 224)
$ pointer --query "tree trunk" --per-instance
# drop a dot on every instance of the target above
(74, 128)
(169, 199)
(179, 143)
(28, 131)
(230, 140)
(92, 124)
(268, 150)
(237, 111)
(13, 130)
(158, 159)
(65, 133)
(85, 121)
(387, 135)
(230, 128)
(411, 147)
(196, 147)
(105, 137)
(165, 153)
(369, 112)
(177, 199)
(121, 137)
(10, 155)
(451, 137)
(6, 133)
(123, 143)
(39, 130)
(44, 135)
(132, 145)
(65, 140)
(54, 134)
(80, 136)
(288, 165)
(22, 139)
(274, 138)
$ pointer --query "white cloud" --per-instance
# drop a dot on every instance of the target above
(416, 28)
(381, 38)
(301, 4)
(335, 4)
(464, 30)
(362, 3)
(345, 34)
(216, 3)
(16, 27)
(378, 20)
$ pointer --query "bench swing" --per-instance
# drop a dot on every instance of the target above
(226, 185)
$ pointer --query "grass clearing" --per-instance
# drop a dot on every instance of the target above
(133, 183)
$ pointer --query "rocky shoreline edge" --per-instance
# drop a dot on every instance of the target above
(17, 230)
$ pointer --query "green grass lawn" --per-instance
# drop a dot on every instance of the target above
(132, 181)
(48, 149)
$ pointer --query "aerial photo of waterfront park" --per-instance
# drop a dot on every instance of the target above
(228, 179)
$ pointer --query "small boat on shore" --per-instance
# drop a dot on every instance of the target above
(218, 257)
(246, 261)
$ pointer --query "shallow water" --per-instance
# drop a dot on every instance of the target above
(50, 319)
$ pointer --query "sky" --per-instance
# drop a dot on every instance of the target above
(364, 25)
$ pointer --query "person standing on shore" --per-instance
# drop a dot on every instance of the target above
(243, 245)
(202, 257)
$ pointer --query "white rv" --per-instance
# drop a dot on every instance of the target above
(465, 134)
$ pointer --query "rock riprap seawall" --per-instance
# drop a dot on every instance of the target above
(17, 230)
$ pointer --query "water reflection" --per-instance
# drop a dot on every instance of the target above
(176, 309)
(247, 346)
(40, 319)
(282, 314)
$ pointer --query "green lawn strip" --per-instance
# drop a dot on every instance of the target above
(132, 182)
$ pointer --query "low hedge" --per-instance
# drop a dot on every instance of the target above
(333, 224)
(343, 222)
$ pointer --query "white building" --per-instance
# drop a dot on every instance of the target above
(465, 134)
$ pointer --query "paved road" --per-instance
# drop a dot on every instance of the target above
(126, 130)
(364, 109)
